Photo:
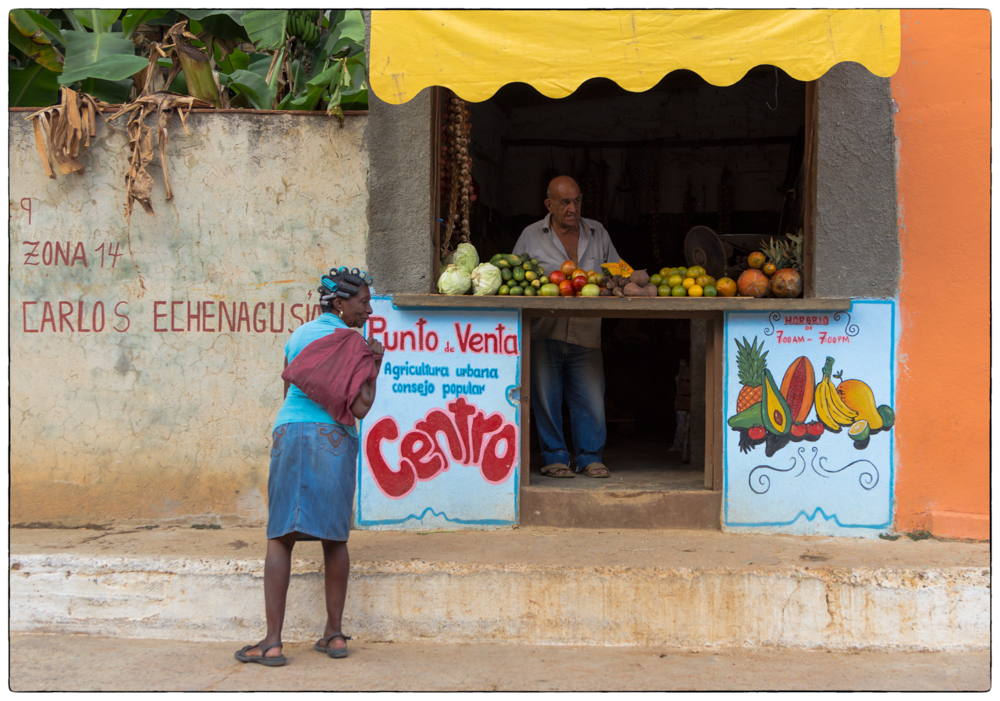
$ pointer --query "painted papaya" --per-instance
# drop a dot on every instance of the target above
(798, 387)
(859, 396)
(773, 407)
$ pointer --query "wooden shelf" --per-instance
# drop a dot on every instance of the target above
(667, 307)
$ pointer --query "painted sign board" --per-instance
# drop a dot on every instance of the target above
(808, 437)
(440, 447)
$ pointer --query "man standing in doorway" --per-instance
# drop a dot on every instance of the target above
(566, 356)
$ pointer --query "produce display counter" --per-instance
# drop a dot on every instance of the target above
(710, 309)
(651, 307)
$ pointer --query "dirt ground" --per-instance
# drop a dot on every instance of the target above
(87, 663)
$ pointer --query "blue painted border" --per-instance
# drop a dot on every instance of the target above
(818, 511)
(359, 520)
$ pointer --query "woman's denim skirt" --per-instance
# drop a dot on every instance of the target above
(310, 488)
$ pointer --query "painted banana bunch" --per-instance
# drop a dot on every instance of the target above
(830, 406)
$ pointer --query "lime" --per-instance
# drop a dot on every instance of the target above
(674, 280)
(710, 291)
(663, 291)
(679, 291)
(656, 279)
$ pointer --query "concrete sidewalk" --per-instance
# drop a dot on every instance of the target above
(543, 586)
(78, 663)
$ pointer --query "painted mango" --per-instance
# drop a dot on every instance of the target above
(773, 407)
(859, 397)
(798, 387)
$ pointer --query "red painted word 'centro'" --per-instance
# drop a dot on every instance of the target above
(421, 457)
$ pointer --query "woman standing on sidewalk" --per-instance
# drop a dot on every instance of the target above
(330, 378)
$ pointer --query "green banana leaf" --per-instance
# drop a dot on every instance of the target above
(237, 60)
(252, 86)
(235, 15)
(314, 89)
(85, 49)
(116, 67)
(222, 24)
(30, 22)
(97, 20)
(115, 92)
(266, 28)
(45, 54)
(347, 35)
(167, 20)
(33, 86)
(134, 18)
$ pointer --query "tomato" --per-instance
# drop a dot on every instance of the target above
(579, 281)
(568, 267)
(557, 277)
(566, 288)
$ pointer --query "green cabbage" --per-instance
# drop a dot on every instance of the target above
(466, 257)
(486, 279)
(454, 281)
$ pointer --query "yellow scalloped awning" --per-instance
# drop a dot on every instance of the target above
(476, 52)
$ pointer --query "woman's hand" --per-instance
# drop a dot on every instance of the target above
(377, 349)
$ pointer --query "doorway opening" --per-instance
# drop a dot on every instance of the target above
(651, 167)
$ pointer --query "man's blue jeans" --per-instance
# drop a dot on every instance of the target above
(558, 370)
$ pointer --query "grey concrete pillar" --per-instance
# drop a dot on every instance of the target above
(857, 251)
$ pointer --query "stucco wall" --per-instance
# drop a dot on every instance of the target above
(857, 242)
(140, 399)
(943, 127)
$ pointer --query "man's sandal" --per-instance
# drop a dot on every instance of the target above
(596, 469)
(334, 652)
(276, 661)
(557, 469)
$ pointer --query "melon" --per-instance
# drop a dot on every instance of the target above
(752, 283)
(786, 283)
(798, 386)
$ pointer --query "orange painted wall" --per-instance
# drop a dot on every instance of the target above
(942, 89)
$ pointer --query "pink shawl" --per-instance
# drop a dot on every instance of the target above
(331, 370)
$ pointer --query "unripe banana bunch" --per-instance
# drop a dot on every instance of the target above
(302, 24)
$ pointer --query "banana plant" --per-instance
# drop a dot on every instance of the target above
(301, 60)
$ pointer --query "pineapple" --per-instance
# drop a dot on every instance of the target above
(795, 250)
(750, 365)
(776, 253)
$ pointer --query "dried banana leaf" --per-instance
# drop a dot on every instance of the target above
(138, 181)
(60, 129)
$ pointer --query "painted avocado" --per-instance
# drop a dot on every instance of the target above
(774, 408)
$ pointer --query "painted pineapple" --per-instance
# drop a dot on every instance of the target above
(750, 366)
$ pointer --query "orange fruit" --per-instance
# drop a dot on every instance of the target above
(701, 280)
(726, 287)
(756, 260)
(710, 291)
(665, 272)
(696, 291)
(681, 270)
(769, 269)
(679, 291)
(752, 283)
(711, 280)
(674, 280)
(663, 291)
(687, 283)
